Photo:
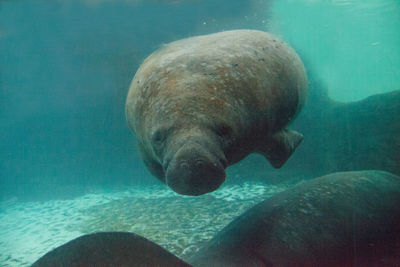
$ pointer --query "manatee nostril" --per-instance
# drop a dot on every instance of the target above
(194, 171)
(199, 164)
(195, 178)
(184, 165)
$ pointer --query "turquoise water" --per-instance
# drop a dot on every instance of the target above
(65, 69)
(354, 45)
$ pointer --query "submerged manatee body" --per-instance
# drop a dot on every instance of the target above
(340, 219)
(108, 249)
(201, 104)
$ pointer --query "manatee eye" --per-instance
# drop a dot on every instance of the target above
(159, 137)
(223, 130)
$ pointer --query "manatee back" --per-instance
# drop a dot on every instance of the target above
(109, 249)
(341, 219)
(246, 75)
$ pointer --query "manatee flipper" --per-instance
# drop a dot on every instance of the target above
(280, 146)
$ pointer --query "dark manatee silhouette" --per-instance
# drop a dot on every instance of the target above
(341, 219)
(109, 249)
(201, 104)
(350, 136)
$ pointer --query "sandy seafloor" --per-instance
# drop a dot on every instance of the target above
(181, 224)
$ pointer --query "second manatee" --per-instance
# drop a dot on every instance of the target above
(340, 219)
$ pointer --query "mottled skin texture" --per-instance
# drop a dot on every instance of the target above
(201, 104)
(341, 219)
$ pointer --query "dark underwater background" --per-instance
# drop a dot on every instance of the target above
(65, 69)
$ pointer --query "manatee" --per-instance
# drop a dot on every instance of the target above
(356, 135)
(109, 249)
(201, 104)
(341, 219)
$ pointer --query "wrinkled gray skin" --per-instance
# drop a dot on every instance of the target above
(201, 104)
(341, 219)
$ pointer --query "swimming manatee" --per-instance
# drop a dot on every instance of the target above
(109, 249)
(341, 219)
(348, 136)
(200, 104)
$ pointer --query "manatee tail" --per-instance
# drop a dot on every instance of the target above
(281, 146)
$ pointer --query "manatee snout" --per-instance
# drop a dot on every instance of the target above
(195, 171)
